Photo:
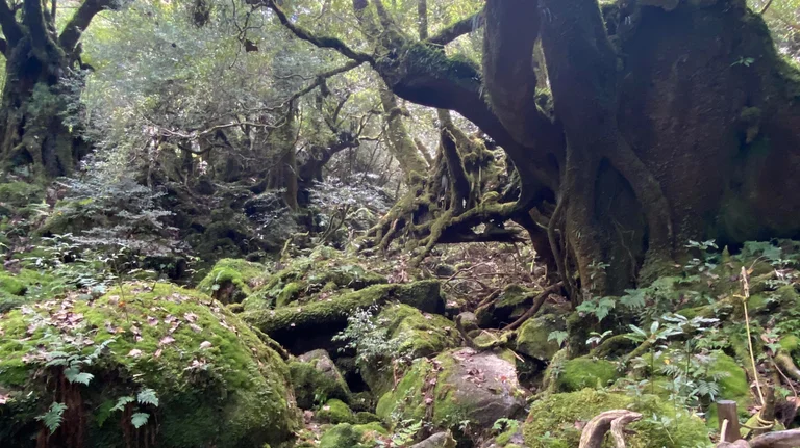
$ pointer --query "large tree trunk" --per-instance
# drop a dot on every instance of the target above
(672, 132)
(35, 102)
(34, 106)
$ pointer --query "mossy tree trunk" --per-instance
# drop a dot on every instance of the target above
(668, 138)
(402, 147)
(35, 101)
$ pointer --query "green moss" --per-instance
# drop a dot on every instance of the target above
(335, 411)
(27, 286)
(351, 436)
(560, 415)
(366, 417)
(289, 293)
(11, 285)
(417, 335)
(532, 337)
(733, 384)
(583, 372)
(790, 343)
(424, 295)
(241, 274)
(311, 385)
(305, 278)
(217, 382)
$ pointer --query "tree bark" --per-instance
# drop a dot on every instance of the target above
(34, 100)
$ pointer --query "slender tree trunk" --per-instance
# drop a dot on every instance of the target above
(283, 168)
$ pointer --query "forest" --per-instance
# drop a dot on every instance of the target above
(400, 223)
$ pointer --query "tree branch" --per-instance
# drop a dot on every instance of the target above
(459, 28)
(333, 43)
(80, 21)
(426, 76)
(8, 21)
(33, 18)
(322, 77)
(3, 46)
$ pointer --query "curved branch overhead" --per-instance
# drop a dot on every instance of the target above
(83, 17)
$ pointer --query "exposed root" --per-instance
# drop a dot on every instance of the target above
(649, 194)
(537, 304)
(594, 432)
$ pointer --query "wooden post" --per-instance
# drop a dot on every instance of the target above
(726, 410)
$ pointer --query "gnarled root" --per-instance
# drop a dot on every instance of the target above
(615, 421)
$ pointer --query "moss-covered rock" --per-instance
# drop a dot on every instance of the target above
(363, 418)
(732, 381)
(293, 321)
(27, 286)
(533, 336)
(315, 378)
(311, 278)
(416, 335)
(346, 435)
(231, 280)
(580, 373)
(457, 385)
(554, 421)
(335, 411)
(216, 381)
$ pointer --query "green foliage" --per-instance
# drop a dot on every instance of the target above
(558, 336)
(599, 307)
(139, 419)
(54, 416)
(369, 336)
(406, 431)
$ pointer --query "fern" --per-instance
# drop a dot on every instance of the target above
(139, 419)
(147, 396)
(54, 416)
(558, 336)
(121, 403)
(76, 376)
(633, 298)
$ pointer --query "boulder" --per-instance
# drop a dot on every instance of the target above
(556, 420)
(459, 384)
(231, 280)
(194, 372)
(315, 378)
(416, 334)
(533, 337)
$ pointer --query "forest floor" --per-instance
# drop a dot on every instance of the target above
(335, 348)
